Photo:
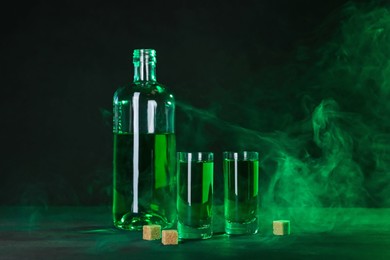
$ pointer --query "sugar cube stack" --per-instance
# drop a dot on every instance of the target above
(170, 237)
(281, 227)
(151, 232)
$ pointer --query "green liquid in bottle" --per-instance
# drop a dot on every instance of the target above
(144, 180)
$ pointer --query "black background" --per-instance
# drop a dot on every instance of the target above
(61, 63)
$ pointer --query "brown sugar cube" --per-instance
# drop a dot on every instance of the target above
(170, 237)
(151, 232)
(281, 227)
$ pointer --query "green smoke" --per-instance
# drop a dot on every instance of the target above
(349, 166)
(329, 108)
(333, 180)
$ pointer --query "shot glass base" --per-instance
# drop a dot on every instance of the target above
(236, 228)
(186, 232)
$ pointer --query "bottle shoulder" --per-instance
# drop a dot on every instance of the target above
(149, 90)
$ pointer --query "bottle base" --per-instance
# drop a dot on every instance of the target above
(134, 221)
(187, 232)
(237, 228)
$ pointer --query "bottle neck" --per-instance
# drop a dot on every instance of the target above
(144, 70)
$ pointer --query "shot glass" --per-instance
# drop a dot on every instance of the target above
(195, 194)
(241, 181)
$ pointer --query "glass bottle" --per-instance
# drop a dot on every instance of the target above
(144, 183)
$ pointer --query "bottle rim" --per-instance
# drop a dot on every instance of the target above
(138, 53)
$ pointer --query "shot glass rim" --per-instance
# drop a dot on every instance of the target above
(205, 156)
(241, 155)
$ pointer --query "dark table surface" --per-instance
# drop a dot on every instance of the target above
(87, 232)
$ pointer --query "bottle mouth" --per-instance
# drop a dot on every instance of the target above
(144, 55)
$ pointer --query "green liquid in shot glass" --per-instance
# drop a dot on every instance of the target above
(241, 190)
(195, 194)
